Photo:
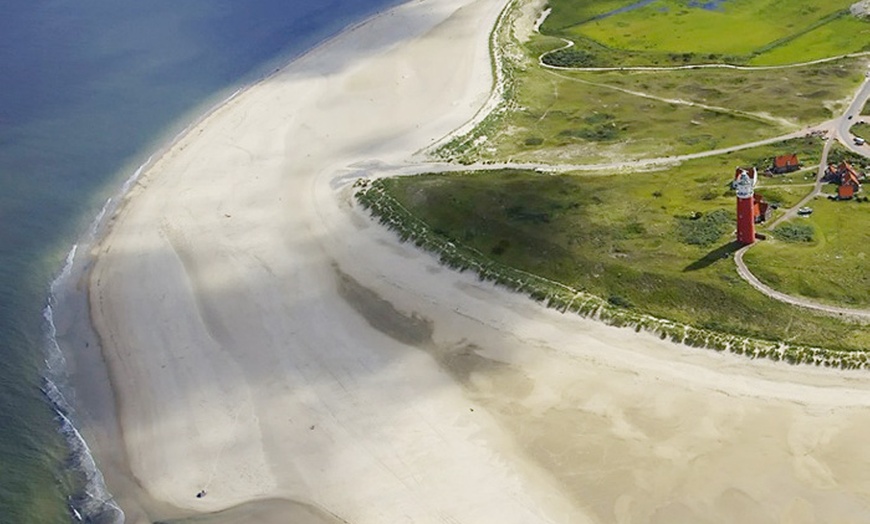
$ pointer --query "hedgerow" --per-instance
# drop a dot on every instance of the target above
(613, 311)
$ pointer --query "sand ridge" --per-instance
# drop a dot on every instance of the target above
(268, 342)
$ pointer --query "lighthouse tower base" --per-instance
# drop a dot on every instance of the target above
(745, 221)
(745, 180)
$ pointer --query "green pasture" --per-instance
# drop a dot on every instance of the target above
(832, 268)
(653, 242)
(843, 35)
(583, 117)
(799, 95)
(559, 119)
(566, 14)
(762, 32)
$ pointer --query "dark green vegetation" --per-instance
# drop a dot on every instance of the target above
(793, 232)
(704, 230)
(623, 238)
(677, 32)
(839, 153)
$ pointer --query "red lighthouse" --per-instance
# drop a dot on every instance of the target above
(744, 183)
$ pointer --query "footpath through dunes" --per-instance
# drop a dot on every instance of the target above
(271, 347)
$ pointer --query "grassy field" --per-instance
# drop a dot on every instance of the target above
(656, 242)
(558, 116)
(801, 95)
(559, 119)
(660, 242)
(861, 130)
(833, 267)
(589, 118)
(763, 32)
(842, 35)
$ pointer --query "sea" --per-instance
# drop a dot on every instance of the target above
(90, 92)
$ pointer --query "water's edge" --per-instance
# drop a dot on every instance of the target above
(71, 343)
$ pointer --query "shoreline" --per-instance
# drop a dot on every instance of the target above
(65, 300)
(214, 327)
(102, 230)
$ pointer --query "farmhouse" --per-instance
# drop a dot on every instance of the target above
(849, 185)
(785, 164)
(848, 180)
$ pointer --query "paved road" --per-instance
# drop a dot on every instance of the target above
(838, 129)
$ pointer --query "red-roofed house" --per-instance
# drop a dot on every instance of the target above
(849, 184)
(847, 179)
(785, 164)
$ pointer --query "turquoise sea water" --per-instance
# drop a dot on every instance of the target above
(88, 88)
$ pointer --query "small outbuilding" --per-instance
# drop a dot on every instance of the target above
(761, 210)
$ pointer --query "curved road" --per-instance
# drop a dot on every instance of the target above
(835, 129)
(839, 131)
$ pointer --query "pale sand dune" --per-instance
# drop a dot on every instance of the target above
(267, 341)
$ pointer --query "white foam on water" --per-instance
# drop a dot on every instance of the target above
(98, 220)
(94, 503)
(125, 187)
(55, 360)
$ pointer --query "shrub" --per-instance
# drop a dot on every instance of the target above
(703, 230)
(795, 232)
(569, 58)
(601, 132)
(619, 301)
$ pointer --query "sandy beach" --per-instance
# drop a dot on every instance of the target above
(271, 345)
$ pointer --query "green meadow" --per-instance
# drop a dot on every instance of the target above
(573, 116)
(832, 268)
(563, 119)
(845, 34)
(660, 241)
(599, 117)
(761, 32)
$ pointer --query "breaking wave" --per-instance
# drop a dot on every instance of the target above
(91, 503)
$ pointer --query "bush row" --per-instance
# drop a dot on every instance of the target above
(382, 205)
